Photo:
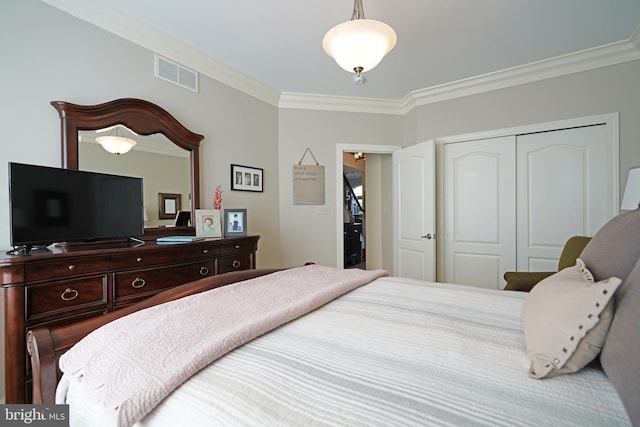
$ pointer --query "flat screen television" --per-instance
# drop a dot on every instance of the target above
(53, 205)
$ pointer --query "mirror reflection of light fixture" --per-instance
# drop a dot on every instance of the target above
(116, 143)
(359, 44)
(359, 156)
(631, 198)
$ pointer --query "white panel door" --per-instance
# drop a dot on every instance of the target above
(414, 211)
(479, 211)
(562, 190)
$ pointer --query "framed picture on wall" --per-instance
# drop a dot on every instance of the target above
(235, 222)
(246, 178)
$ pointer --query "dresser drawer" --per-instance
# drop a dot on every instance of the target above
(163, 256)
(234, 263)
(138, 282)
(68, 295)
(239, 246)
(47, 270)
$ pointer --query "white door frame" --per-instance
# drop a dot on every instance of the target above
(340, 150)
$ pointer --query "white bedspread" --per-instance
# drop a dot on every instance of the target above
(395, 352)
(132, 363)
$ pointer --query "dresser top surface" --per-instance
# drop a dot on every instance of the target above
(105, 248)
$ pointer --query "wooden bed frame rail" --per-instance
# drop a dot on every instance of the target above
(46, 345)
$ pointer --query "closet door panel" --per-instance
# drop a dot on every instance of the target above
(479, 197)
(560, 192)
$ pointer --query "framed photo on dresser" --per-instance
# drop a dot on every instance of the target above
(208, 223)
(235, 222)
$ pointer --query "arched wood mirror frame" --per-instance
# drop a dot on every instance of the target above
(144, 118)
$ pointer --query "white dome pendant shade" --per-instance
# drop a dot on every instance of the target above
(116, 144)
(360, 44)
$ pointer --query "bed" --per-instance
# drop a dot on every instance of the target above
(378, 350)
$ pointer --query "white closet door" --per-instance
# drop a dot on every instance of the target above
(479, 211)
(562, 190)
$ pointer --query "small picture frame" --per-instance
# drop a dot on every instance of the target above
(246, 178)
(169, 205)
(208, 223)
(235, 222)
(183, 219)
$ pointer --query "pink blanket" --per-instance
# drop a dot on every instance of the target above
(133, 363)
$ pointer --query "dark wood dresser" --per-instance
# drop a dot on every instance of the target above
(63, 284)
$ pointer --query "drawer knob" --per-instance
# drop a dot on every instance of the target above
(72, 267)
(236, 263)
(205, 251)
(204, 270)
(69, 294)
(138, 283)
(237, 246)
(138, 259)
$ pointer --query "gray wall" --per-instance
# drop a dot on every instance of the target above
(605, 90)
(54, 56)
(305, 235)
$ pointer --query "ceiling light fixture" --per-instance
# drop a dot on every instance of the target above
(360, 44)
(116, 143)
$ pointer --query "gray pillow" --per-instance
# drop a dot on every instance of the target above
(620, 355)
(615, 248)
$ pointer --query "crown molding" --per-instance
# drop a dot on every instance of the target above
(112, 20)
(588, 59)
(308, 101)
(635, 38)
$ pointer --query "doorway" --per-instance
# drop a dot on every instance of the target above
(377, 226)
(354, 213)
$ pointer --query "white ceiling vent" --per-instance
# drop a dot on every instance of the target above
(173, 72)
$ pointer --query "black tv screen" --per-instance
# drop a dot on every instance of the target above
(51, 205)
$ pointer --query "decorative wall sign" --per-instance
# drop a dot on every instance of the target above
(308, 182)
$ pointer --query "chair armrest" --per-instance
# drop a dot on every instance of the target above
(572, 250)
(524, 280)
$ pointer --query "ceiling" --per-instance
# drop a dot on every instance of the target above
(279, 42)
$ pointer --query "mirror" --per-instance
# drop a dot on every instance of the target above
(154, 130)
(162, 165)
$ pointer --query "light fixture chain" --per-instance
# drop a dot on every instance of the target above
(358, 10)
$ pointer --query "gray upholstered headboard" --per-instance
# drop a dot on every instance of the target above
(615, 251)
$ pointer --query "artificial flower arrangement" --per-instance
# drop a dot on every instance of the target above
(217, 198)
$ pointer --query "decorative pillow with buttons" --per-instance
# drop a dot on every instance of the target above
(565, 320)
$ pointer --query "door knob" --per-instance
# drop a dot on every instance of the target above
(428, 236)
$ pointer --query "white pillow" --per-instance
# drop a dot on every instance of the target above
(565, 319)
